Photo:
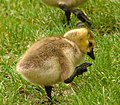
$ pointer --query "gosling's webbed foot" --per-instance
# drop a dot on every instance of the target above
(81, 16)
(82, 68)
(80, 24)
(46, 102)
(78, 71)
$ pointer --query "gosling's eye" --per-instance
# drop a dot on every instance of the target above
(90, 44)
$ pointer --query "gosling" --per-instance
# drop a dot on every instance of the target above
(69, 6)
(54, 59)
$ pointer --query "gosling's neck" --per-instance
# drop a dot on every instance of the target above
(79, 37)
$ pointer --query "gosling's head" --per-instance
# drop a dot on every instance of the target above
(84, 39)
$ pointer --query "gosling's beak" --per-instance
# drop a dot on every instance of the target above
(91, 54)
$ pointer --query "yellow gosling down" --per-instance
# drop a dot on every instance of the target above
(69, 6)
(54, 59)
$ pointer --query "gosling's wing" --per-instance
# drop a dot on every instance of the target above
(37, 54)
(72, 56)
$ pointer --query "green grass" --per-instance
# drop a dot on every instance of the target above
(22, 22)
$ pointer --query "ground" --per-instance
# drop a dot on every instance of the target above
(22, 22)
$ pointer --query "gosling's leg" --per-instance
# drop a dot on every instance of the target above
(48, 90)
(78, 71)
(81, 16)
(67, 14)
(71, 78)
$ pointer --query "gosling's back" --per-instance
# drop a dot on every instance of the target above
(49, 61)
